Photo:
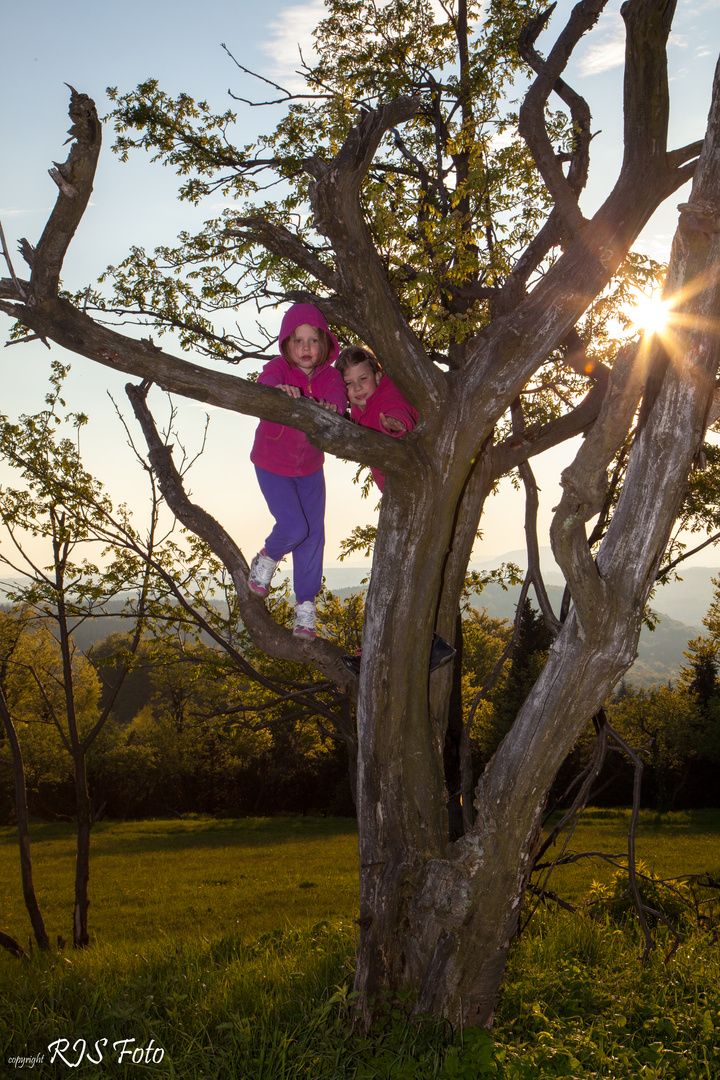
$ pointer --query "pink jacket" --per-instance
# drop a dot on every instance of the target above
(385, 399)
(283, 450)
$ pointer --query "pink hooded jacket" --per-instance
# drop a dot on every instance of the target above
(386, 398)
(283, 450)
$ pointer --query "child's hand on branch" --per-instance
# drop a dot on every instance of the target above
(391, 424)
(327, 404)
(291, 391)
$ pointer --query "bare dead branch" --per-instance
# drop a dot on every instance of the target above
(534, 440)
(287, 95)
(6, 255)
(579, 110)
(533, 550)
(685, 154)
(75, 177)
(714, 539)
(27, 251)
(570, 819)
(273, 639)
(585, 484)
(12, 946)
(532, 120)
(67, 189)
(632, 866)
(25, 339)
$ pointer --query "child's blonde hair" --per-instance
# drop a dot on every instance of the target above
(356, 354)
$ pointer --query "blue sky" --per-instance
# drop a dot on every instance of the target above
(92, 45)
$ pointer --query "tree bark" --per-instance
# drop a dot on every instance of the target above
(443, 916)
(81, 936)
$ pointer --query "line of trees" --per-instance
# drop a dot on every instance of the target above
(175, 741)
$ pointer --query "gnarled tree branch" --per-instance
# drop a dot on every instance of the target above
(275, 640)
(532, 118)
(584, 485)
(335, 199)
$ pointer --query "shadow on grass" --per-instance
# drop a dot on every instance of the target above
(698, 822)
(173, 834)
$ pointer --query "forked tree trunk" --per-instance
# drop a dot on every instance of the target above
(438, 918)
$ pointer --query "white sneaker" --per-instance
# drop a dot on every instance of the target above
(262, 569)
(305, 619)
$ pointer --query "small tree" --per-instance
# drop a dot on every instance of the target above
(12, 628)
(62, 505)
(700, 675)
(527, 658)
(663, 724)
(172, 593)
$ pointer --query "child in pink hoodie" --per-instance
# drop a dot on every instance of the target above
(289, 468)
(375, 402)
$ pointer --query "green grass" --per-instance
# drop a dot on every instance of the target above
(683, 842)
(238, 968)
(203, 1002)
(202, 876)
(187, 878)
(576, 1003)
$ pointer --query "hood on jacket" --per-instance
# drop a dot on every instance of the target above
(307, 314)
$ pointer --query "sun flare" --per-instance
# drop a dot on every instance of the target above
(650, 314)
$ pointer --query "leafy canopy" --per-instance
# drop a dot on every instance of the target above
(450, 200)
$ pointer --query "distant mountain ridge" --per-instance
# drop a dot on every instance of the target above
(686, 600)
(680, 605)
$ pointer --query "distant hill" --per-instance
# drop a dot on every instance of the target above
(681, 606)
(686, 600)
(660, 651)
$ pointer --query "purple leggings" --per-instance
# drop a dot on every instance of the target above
(298, 505)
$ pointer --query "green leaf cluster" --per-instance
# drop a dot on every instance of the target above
(450, 200)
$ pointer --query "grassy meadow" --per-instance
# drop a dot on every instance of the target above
(226, 949)
(189, 877)
(684, 842)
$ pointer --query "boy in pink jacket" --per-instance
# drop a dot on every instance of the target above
(376, 402)
(289, 468)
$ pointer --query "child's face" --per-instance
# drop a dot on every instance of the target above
(360, 382)
(304, 347)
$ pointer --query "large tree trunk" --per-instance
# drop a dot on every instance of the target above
(440, 917)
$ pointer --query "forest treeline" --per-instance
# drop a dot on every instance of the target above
(190, 733)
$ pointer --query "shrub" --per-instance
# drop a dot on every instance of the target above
(673, 899)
